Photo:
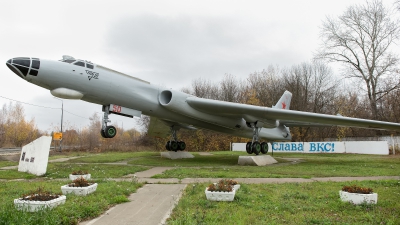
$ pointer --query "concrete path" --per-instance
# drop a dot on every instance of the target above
(152, 204)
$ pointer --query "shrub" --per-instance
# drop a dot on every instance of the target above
(79, 182)
(222, 185)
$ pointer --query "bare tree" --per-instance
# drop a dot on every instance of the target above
(203, 88)
(230, 89)
(361, 39)
(266, 86)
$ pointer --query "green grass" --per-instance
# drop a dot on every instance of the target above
(306, 203)
(110, 157)
(216, 159)
(62, 170)
(8, 163)
(75, 209)
(57, 155)
(311, 165)
(14, 174)
(291, 203)
(97, 171)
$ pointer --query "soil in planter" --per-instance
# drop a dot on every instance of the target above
(39, 195)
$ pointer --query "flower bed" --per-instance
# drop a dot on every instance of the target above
(222, 191)
(358, 195)
(38, 200)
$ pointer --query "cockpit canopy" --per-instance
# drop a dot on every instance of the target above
(77, 62)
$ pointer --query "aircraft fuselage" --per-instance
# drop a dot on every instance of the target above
(100, 85)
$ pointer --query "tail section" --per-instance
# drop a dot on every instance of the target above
(284, 101)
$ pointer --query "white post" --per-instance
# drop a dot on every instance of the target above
(393, 145)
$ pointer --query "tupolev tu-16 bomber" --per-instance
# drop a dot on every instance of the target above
(171, 110)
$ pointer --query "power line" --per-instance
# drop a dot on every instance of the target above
(42, 106)
(28, 103)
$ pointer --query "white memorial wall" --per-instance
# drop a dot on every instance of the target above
(35, 156)
(359, 147)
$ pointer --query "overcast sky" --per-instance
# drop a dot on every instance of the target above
(168, 43)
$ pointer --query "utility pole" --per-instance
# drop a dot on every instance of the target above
(62, 116)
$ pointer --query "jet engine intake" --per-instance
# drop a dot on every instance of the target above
(175, 101)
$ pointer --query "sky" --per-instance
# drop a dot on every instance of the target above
(168, 43)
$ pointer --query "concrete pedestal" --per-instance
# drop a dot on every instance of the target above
(176, 155)
(260, 160)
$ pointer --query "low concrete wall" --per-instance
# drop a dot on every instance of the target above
(358, 147)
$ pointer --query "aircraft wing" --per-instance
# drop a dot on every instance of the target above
(289, 118)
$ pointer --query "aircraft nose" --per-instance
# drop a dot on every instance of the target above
(24, 66)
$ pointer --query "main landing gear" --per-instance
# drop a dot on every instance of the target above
(255, 146)
(107, 131)
(174, 144)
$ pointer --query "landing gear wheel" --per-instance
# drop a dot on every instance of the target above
(256, 147)
(168, 145)
(174, 146)
(103, 134)
(248, 148)
(110, 131)
(264, 148)
(181, 145)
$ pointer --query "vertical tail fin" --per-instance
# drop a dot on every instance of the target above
(284, 101)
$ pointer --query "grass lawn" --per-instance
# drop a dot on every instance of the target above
(62, 170)
(75, 209)
(291, 203)
(97, 171)
(110, 157)
(8, 163)
(311, 165)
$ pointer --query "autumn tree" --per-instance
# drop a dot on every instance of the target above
(15, 130)
(361, 39)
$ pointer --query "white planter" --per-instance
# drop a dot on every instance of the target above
(357, 199)
(79, 190)
(236, 187)
(220, 196)
(34, 206)
(74, 177)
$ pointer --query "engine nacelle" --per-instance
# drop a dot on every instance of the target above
(175, 101)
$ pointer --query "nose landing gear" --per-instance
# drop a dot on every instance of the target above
(175, 145)
(107, 131)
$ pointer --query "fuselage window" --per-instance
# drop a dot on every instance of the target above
(35, 64)
(79, 63)
(90, 66)
(69, 61)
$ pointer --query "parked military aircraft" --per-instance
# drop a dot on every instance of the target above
(121, 94)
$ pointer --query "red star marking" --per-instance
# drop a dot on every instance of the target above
(283, 105)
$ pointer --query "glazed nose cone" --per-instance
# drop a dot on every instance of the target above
(24, 66)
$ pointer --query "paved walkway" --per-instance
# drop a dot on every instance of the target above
(151, 204)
